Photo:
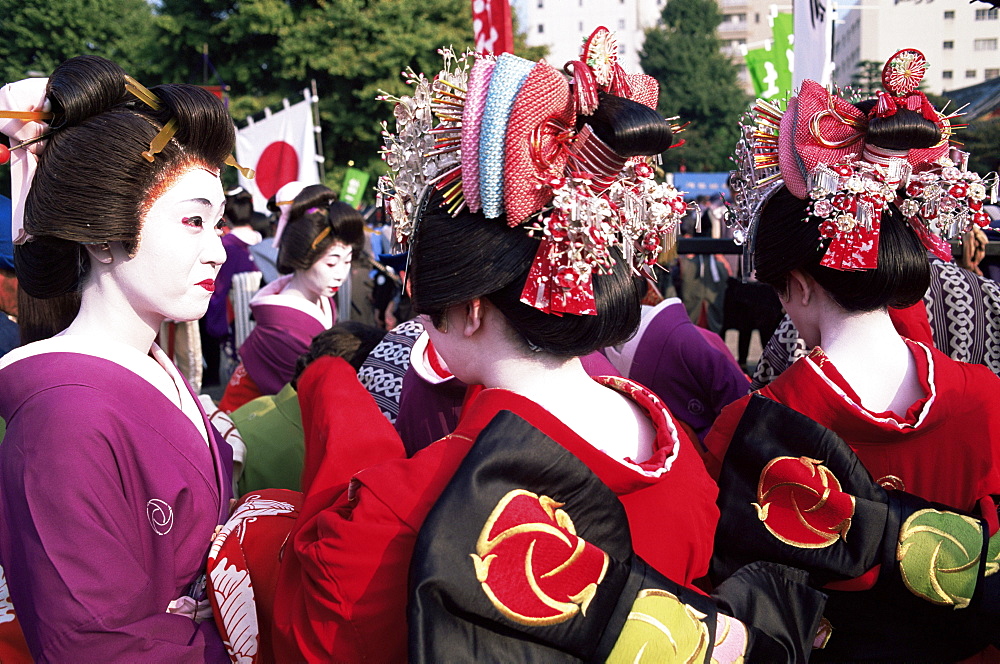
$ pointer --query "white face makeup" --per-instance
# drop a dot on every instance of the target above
(172, 274)
(325, 276)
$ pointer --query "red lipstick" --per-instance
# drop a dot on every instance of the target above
(207, 284)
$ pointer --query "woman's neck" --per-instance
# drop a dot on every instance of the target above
(873, 359)
(296, 287)
(102, 314)
(607, 420)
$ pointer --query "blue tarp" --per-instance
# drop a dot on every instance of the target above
(697, 184)
(6, 248)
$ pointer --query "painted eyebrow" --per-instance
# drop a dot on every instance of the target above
(199, 201)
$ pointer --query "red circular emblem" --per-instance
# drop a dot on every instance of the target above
(277, 165)
(531, 564)
(801, 503)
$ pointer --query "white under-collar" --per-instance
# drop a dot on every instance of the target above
(155, 367)
(273, 294)
(247, 234)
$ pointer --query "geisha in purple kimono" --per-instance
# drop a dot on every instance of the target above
(314, 253)
(112, 479)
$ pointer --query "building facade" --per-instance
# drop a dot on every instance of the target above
(562, 25)
(959, 39)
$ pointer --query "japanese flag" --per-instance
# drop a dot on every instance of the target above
(280, 148)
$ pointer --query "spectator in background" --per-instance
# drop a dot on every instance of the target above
(316, 248)
(218, 322)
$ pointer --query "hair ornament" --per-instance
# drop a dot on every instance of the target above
(817, 147)
(23, 112)
(284, 199)
(323, 234)
(498, 134)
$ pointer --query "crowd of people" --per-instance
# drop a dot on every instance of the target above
(535, 452)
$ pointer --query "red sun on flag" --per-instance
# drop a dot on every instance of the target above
(277, 166)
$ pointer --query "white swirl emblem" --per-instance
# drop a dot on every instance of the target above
(161, 516)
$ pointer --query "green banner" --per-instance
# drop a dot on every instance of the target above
(763, 73)
(353, 189)
(782, 29)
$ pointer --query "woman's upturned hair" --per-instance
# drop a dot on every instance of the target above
(456, 259)
(93, 184)
(315, 222)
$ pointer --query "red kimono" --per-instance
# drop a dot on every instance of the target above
(342, 591)
(946, 448)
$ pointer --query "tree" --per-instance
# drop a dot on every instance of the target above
(36, 36)
(982, 140)
(697, 83)
(867, 78)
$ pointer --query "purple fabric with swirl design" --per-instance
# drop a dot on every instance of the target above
(108, 499)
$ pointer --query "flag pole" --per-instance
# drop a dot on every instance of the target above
(320, 158)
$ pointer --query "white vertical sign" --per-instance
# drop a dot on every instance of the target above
(813, 41)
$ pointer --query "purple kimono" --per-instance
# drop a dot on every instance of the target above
(109, 496)
(693, 377)
(284, 330)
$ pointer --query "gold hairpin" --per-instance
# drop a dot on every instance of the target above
(142, 93)
(322, 236)
(248, 173)
(161, 139)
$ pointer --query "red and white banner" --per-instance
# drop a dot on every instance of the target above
(281, 148)
(491, 26)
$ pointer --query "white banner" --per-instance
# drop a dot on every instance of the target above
(813, 42)
(280, 148)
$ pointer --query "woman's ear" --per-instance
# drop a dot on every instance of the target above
(801, 286)
(100, 252)
(473, 320)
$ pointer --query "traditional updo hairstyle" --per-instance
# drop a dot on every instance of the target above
(93, 184)
(457, 259)
(314, 211)
(786, 242)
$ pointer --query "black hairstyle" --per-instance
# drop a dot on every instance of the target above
(456, 259)
(788, 239)
(628, 127)
(903, 130)
(316, 214)
(261, 223)
(239, 208)
(350, 340)
(39, 319)
(93, 184)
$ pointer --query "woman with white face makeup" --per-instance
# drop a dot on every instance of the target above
(112, 479)
(314, 254)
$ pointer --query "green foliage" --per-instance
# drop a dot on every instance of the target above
(867, 79)
(36, 36)
(697, 83)
(263, 50)
(982, 139)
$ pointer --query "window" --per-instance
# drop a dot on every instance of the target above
(756, 17)
(985, 44)
(991, 73)
(970, 73)
(948, 45)
(987, 14)
(580, 26)
(621, 24)
(949, 14)
(541, 4)
(541, 28)
(946, 74)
